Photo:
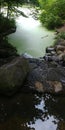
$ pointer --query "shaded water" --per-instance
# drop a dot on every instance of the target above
(32, 112)
(30, 37)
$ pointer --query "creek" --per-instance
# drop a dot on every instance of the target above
(26, 111)
(31, 37)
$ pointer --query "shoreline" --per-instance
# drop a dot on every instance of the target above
(39, 77)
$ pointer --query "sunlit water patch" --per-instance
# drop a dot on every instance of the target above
(30, 37)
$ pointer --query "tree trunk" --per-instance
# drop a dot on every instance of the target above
(0, 7)
(8, 11)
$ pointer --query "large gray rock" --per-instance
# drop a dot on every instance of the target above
(12, 75)
(47, 78)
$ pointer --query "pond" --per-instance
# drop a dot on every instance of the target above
(31, 37)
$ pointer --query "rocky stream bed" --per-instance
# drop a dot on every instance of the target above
(44, 75)
(32, 90)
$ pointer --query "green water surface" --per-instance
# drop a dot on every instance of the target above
(27, 111)
(31, 37)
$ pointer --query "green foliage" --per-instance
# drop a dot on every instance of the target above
(14, 2)
(45, 3)
(35, 2)
(58, 8)
(11, 23)
(59, 38)
(50, 20)
(6, 24)
(61, 35)
(53, 13)
(43, 16)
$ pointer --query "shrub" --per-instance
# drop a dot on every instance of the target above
(54, 14)
(43, 16)
(53, 21)
(6, 24)
(50, 20)
(61, 35)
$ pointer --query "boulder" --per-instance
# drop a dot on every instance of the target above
(60, 42)
(60, 48)
(56, 58)
(49, 49)
(47, 78)
(39, 75)
(12, 75)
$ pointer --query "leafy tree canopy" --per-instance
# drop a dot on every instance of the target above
(53, 13)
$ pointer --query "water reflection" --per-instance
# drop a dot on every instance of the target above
(45, 120)
(32, 112)
(46, 125)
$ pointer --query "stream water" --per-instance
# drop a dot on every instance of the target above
(30, 37)
(32, 111)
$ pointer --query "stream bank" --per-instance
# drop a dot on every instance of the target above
(43, 75)
(7, 51)
(39, 76)
(26, 107)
